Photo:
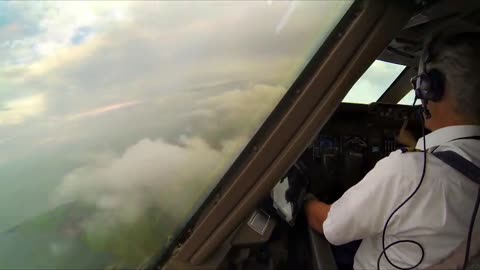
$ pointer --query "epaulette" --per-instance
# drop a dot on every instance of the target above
(409, 149)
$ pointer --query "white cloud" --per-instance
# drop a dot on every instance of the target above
(154, 172)
(150, 172)
(168, 49)
(18, 110)
(232, 113)
(45, 27)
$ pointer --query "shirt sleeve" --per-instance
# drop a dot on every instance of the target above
(363, 209)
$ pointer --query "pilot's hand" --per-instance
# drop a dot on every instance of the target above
(405, 137)
(316, 213)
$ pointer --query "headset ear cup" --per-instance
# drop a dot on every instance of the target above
(423, 86)
(437, 85)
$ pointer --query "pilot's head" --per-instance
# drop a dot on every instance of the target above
(449, 77)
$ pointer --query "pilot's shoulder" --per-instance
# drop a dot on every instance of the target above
(404, 157)
(405, 152)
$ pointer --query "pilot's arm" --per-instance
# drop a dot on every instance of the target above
(363, 209)
(316, 212)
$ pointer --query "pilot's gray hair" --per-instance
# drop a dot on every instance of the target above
(457, 57)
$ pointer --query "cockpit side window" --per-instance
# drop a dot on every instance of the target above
(374, 82)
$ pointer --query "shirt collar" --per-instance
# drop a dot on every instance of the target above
(446, 134)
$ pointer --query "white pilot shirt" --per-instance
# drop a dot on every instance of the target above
(438, 215)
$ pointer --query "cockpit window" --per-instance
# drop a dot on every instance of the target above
(374, 82)
(408, 98)
(118, 118)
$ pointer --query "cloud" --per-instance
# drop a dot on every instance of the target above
(18, 110)
(233, 112)
(42, 28)
(180, 54)
(173, 53)
(150, 172)
(10, 31)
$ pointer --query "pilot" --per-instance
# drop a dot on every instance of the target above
(438, 215)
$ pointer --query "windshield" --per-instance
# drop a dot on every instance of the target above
(408, 98)
(118, 118)
(374, 82)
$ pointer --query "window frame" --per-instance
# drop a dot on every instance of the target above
(354, 44)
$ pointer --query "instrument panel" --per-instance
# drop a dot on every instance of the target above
(355, 138)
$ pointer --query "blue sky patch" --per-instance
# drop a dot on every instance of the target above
(6, 14)
(81, 35)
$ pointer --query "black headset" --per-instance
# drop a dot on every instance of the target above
(429, 85)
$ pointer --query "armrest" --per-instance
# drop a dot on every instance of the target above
(322, 255)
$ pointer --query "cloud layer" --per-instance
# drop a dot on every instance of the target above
(151, 172)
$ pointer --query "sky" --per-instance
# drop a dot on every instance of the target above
(373, 83)
(408, 98)
(128, 104)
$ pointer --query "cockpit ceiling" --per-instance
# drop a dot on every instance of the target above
(406, 47)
